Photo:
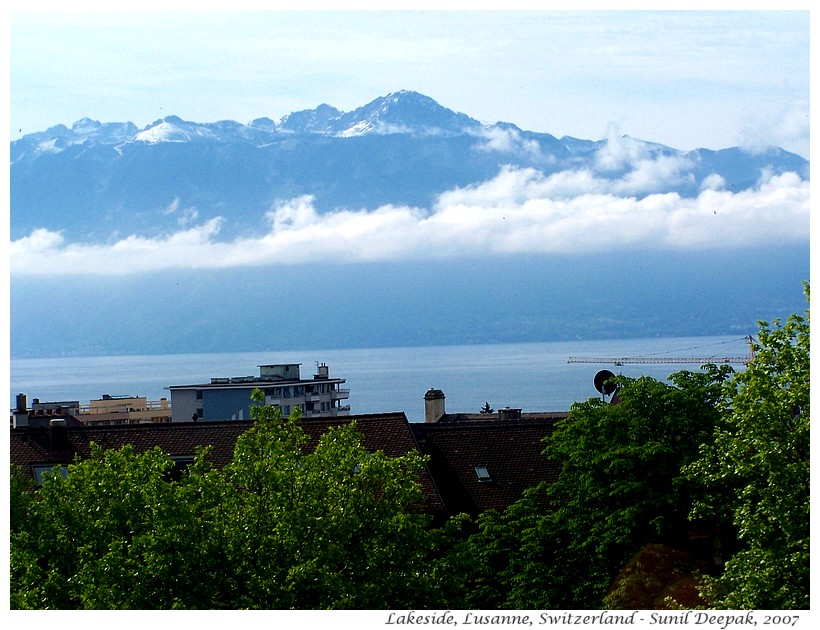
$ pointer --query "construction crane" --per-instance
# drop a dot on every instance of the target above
(670, 359)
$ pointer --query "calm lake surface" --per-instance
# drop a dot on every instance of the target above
(530, 376)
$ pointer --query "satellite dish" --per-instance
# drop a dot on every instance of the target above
(603, 383)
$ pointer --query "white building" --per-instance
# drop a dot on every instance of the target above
(230, 398)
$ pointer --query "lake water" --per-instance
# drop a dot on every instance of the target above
(529, 376)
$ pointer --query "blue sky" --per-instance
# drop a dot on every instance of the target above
(711, 79)
(686, 79)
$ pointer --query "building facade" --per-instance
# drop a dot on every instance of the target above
(107, 410)
(110, 410)
(282, 385)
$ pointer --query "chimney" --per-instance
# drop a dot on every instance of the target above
(20, 412)
(58, 434)
(433, 405)
(509, 414)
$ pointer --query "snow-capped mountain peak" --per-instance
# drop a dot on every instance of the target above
(404, 112)
(174, 129)
(399, 112)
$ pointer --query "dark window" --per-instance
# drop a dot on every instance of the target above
(181, 462)
(482, 473)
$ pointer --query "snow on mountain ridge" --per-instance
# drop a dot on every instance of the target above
(403, 112)
(174, 129)
(59, 137)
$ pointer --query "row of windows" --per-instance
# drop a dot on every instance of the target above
(298, 391)
(286, 409)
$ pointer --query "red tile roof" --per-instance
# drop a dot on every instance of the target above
(511, 451)
(29, 447)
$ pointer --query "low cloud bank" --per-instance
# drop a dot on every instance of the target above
(518, 212)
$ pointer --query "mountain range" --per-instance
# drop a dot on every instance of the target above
(94, 180)
(111, 186)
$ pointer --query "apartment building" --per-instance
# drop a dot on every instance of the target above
(283, 387)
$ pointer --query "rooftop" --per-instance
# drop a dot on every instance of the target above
(483, 463)
(52, 446)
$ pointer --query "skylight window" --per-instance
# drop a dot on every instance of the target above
(482, 473)
(41, 469)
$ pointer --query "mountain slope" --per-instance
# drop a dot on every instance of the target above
(422, 303)
(98, 180)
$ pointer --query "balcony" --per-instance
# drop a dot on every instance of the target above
(340, 394)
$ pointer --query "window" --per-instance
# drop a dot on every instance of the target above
(482, 473)
(181, 462)
(40, 469)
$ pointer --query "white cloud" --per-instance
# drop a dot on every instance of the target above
(520, 211)
(713, 182)
(508, 140)
(655, 175)
(172, 207)
(40, 240)
(619, 152)
(185, 216)
(787, 127)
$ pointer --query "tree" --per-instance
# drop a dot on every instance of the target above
(116, 533)
(621, 487)
(486, 408)
(757, 468)
(658, 577)
(339, 527)
(284, 525)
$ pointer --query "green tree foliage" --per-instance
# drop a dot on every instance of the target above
(621, 487)
(116, 533)
(290, 523)
(337, 528)
(283, 526)
(714, 456)
(757, 468)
